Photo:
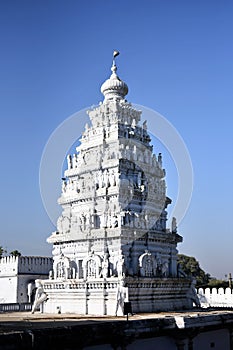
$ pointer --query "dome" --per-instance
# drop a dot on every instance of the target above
(114, 87)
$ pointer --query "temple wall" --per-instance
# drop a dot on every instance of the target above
(218, 339)
(34, 264)
(9, 265)
(8, 289)
(16, 273)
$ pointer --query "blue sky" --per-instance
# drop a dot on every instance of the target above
(176, 57)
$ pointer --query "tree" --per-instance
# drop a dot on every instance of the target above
(15, 253)
(216, 283)
(191, 267)
(2, 251)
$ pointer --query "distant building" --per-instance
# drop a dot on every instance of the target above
(18, 275)
(112, 244)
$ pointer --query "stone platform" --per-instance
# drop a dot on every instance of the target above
(107, 296)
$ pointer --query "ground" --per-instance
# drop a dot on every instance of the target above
(25, 320)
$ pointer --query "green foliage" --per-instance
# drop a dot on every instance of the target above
(215, 283)
(15, 253)
(191, 267)
(2, 251)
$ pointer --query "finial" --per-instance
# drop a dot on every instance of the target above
(114, 67)
(114, 87)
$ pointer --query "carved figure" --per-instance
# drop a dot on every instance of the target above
(147, 264)
(192, 294)
(115, 221)
(69, 161)
(91, 268)
(105, 267)
(144, 125)
(180, 272)
(159, 266)
(105, 178)
(164, 269)
(40, 296)
(100, 178)
(74, 161)
(121, 297)
(174, 225)
(64, 184)
(120, 266)
(112, 178)
(30, 289)
(160, 160)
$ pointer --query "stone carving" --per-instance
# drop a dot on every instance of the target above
(144, 125)
(121, 297)
(121, 266)
(165, 269)
(74, 161)
(30, 288)
(40, 296)
(99, 180)
(92, 266)
(180, 272)
(69, 161)
(62, 269)
(174, 225)
(160, 160)
(63, 224)
(147, 264)
(159, 265)
(64, 184)
(192, 294)
(112, 178)
(105, 266)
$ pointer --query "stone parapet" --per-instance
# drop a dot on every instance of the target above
(215, 297)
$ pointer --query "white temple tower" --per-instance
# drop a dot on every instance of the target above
(111, 243)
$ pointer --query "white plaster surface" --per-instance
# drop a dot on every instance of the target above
(16, 273)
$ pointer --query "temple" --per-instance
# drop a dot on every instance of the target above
(112, 244)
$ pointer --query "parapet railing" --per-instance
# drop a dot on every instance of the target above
(14, 307)
(215, 297)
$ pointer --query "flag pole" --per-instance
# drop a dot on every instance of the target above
(115, 54)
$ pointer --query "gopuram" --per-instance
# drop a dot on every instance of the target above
(112, 245)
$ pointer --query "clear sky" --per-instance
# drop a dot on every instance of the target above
(176, 57)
